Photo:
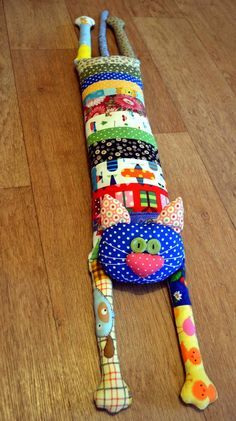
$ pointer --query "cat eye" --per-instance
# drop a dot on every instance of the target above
(153, 246)
(138, 245)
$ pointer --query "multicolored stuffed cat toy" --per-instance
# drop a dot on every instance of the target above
(137, 230)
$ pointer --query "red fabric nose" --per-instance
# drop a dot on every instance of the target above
(143, 264)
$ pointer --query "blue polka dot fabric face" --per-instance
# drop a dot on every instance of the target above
(141, 253)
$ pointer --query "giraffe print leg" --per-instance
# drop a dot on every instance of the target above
(198, 389)
(113, 394)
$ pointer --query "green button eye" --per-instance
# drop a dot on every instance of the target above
(153, 246)
(138, 245)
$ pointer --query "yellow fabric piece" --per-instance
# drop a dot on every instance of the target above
(120, 85)
(198, 389)
(84, 51)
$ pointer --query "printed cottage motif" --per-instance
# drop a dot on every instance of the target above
(137, 229)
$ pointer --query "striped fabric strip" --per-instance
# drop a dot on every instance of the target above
(122, 132)
(112, 91)
(119, 85)
(110, 149)
(110, 76)
(117, 119)
(90, 71)
(115, 60)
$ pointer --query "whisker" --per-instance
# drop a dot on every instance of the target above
(116, 248)
(171, 248)
(128, 280)
(109, 257)
(174, 258)
(170, 266)
(116, 264)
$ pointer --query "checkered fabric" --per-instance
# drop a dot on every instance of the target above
(113, 393)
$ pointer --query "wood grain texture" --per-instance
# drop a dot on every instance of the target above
(49, 360)
(215, 27)
(205, 101)
(31, 368)
(211, 287)
(13, 163)
(39, 24)
(52, 120)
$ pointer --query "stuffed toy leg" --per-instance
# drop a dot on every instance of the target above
(137, 230)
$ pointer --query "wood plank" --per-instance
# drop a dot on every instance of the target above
(162, 112)
(204, 100)
(210, 243)
(32, 380)
(52, 119)
(13, 163)
(153, 8)
(220, 44)
(39, 25)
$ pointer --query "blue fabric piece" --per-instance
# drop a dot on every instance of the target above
(179, 291)
(110, 76)
(141, 217)
(102, 34)
(115, 246)
(101, 303)
(85, 37)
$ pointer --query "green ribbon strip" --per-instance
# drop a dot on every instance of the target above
(122, 132)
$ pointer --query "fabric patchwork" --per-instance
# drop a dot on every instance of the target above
(102, 68)
(122, 132)
(110, 76)
(102, 93)
(125, 262)
(84, 64)
(127, 170)
(107, 105)
(117, 119)
(112, 394)
(113, 212)
(198, 389)
(173, 215)
(121, 87)
(136, 229)
(121, 192)
(111, 149)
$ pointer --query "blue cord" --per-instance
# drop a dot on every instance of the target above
(102, 34)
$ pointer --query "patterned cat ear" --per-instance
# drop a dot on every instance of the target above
(172, 215)
(113, 212)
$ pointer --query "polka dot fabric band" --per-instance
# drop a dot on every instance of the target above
(110, 149)
(110, 76)
(102, 68)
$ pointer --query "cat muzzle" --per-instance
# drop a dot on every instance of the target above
(143, 264)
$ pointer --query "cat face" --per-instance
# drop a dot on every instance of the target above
(144, 252)
(140, 253)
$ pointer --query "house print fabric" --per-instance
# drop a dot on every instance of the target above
(137, 229)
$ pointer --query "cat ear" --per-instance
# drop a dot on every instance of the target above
(172, 215)
(113, 212)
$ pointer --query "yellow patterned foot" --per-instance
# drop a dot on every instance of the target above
(114, 398)
(198, 390)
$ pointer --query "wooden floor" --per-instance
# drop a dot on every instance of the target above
(48, 355)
